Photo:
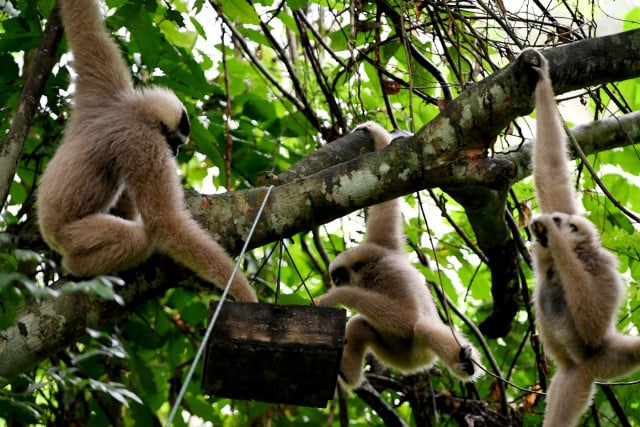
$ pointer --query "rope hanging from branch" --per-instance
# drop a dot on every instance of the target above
(207, 334)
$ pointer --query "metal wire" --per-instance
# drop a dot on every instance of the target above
(214, 318)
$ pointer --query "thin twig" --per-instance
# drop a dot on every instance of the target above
(13, 145)
(595, 177)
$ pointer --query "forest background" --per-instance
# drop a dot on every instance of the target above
(272, 88)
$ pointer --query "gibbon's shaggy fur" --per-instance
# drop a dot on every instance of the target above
(111, 195)
(397, 319)
(578, 289)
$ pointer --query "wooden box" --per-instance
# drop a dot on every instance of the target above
(274, 353)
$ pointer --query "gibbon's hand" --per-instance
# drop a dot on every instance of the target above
(536, 61)
(466, 360)
(325, 300)
(539, 230)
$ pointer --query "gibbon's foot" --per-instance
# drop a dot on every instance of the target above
(540, 231)
(466, 360)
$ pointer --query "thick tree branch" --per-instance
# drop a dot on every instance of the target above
(45, 327)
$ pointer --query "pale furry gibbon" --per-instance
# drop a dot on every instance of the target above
(111, 194)
(578, 289)
(397, 318)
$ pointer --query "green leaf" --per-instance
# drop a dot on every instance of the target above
(632, 20)
(100, 286)
(241, 11)
(143, 335)
(258, 109)
(184, 39)
(180, 298)
(631, 91)
(195, 313)
(297, 4)
(9, 70)
(10, 300)
(146, 37)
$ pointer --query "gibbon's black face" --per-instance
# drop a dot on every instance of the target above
(178, 136)
(357, 266)
(342, 275)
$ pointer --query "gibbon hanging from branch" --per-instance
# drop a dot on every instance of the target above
(397, 318)
(578, 289)
(111, 195)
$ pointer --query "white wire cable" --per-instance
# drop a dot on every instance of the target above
(214, 318)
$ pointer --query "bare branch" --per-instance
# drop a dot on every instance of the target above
(13, 145)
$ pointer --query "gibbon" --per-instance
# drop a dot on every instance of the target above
(578, 289)
(398, 320)
(111, 195)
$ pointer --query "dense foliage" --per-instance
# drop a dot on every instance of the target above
(266, 84)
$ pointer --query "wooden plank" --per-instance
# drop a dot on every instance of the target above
(274, 353)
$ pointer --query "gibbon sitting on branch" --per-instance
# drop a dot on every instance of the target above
(111, 195)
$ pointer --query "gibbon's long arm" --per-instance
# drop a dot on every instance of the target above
(384, 225)
(176, 233)
(102, 72)
(568, 396)
(384, 220)
(384, 311)
(552, 179)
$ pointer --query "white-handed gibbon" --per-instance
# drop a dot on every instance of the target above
(397, 318)
(578, 289)
(111, 194)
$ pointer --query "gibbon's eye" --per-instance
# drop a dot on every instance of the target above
(340, 276)
(180, 136)
(557, 220)
(184, 127)
(573, 228)
(358, 266)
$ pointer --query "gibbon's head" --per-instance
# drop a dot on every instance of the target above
(163, 107)
(358, 266)
(576, 228)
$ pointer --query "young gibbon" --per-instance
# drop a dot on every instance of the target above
(578, 289)
(398, 320)
(111, 194)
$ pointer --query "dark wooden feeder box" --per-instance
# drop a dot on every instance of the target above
(286, 354)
